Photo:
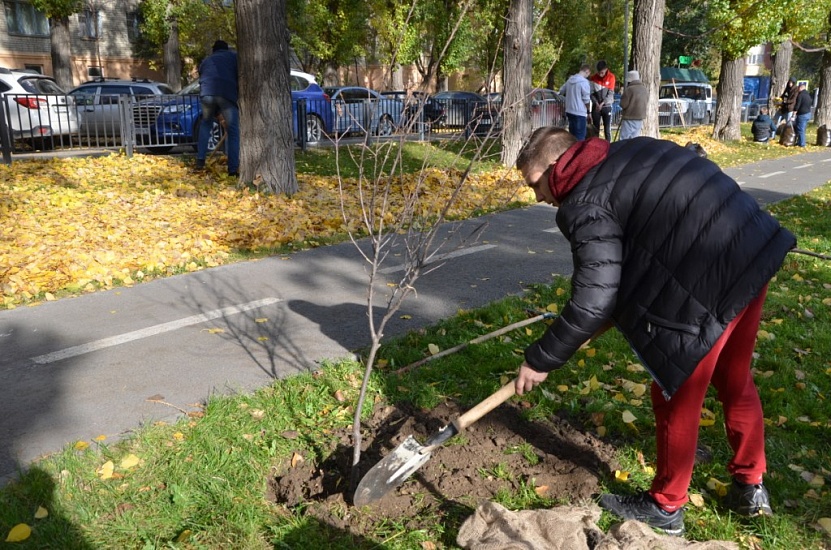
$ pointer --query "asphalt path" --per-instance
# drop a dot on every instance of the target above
(108, 362)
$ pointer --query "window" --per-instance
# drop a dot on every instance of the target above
(133, 25)
(755, 59)
(36, 68)
(90, 24)
(23, 18)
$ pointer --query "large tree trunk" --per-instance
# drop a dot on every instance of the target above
(822, 116)
(729, 92)
(267, 143)
(646, 55)
(61, 51)
(172, 56)
(780, 72)
(516, 114)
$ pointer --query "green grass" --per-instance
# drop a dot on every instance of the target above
(202, 482)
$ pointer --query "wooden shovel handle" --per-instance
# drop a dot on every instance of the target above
(490, 403)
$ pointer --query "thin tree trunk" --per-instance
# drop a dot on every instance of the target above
(516, 114)
(780, 70)
(647, 22)
(729, 109)
(822, 116)
(61, 52)
(267, 142)
(172, 56)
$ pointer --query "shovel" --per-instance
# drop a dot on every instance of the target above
(392, 470)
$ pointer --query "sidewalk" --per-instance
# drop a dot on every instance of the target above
(82, 367)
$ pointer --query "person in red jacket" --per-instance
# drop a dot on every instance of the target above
(603, 111)
(671, 251)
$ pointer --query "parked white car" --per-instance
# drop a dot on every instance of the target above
(37, 110)
(685, 102)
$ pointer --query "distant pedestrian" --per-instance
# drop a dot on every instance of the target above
(802, 110)
(602, 100)
(633, 106)
(788, 100)
(763, 128)
(578, 101)
(219, 91)
(602, 109)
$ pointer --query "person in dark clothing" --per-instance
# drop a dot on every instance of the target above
(219, 92)
(763, 128)
(602, 100)
(670, 250)
(788, 100)
(802, 110)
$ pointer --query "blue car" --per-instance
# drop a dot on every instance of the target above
(164, 122)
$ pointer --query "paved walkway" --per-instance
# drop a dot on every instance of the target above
(82, 367)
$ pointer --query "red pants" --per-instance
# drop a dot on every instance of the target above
(727, 367)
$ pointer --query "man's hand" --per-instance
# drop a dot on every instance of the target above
(528, 378)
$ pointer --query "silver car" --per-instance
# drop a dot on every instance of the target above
(97, 103)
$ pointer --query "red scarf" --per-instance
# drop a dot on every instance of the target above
(574, 164)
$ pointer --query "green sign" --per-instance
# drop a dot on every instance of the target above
(684, 59)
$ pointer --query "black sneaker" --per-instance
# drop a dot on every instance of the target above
(199, 166)
(748, 500)
(643, 508)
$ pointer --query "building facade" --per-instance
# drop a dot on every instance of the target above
(101, 40)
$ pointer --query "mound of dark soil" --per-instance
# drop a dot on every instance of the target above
(499, 452)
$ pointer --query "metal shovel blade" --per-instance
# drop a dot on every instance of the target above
(409, 456)
(391, 471)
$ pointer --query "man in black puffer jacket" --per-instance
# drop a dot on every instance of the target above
(667, 248)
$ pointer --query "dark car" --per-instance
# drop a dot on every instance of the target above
(470, 111)
(359, 110)
(161, 123)
(418, 107)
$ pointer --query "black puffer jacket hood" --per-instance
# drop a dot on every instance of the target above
(669, 247)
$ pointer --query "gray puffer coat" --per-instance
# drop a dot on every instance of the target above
(669, 247)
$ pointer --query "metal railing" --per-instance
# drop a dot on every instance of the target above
(160, 123)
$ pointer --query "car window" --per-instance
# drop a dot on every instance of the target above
(163, 89)
(41, 86)
(298, 83)
(4, 87)
(143, 90)
(354, 95)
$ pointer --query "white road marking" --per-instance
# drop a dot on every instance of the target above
(771, 174)
(441, 257)
(803, 166)
(740, 183)
(552, 230)
(149, 331)
(825, 160)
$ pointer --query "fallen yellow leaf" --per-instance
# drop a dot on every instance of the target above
(628, 417)
(433, 348)
(128, 462)
(697, 500)
(41, 512)
(105, 471)
(19, 532)
(825, 523)
(81, 445)
(553, 308)
(621, 475)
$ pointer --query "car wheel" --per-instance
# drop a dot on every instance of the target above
(314, 128)
(386, 127)
(214, 137)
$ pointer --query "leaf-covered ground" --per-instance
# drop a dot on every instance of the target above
(81, 224)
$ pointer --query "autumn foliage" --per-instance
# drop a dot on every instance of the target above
(83, 224)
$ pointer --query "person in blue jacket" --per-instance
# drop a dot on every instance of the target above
(219, 93)
(668, 249)
(763, 128)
